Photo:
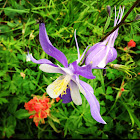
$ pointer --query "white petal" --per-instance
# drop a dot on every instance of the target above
(82, 55)
(75, 95)
(102, 64)
(77, 45)
(50, 69)
(80, 87)
(28, 57)
(58, 86)
(66, 70)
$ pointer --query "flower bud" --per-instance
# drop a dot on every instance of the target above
(125, 68)
(31, 35)
(22, 75)
(137, 17)
(131, 43)
(108, 9)
(23, 29)
(28, 57)
(122, 89)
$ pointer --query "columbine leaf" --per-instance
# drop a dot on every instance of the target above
(109, 90)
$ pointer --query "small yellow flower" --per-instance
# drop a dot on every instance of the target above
(31, 35)
(22, 75)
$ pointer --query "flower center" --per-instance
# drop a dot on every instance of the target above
(61, 85)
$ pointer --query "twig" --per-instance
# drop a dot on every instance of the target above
(122, 21)
(4, 5)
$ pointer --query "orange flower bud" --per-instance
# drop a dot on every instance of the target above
(125, 49)
(122, 89)
(120, 94)
(131, 43)
(57, 99)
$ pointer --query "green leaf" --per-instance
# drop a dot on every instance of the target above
(107, 21)
(13, 87)
(104, 136)
(22, 114)
(54, 118)
(99, 90)
(3, 100)
(109, 90)
(132, 116)
(137, 51)
(11, 24)
(119, 128)
(109, 97)
(9, 10)
(103, 110)
(136, 120)
(109, 124)
(9, 129)
(53, 126)
(11, 120)
(13, 105)
(2, 73)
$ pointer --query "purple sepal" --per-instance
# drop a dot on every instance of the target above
(41, 61)
(49, 48)
(93, 102)
(112, 55)
(96, 55)
(85, 71)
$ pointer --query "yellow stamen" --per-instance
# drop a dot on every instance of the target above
(61, 85)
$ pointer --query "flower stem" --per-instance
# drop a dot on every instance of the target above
(122, 21)
(116, 99)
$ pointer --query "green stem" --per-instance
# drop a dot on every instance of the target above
(112, 107)
(73, 106)
(116, 97)
(112, 81)
(102, 80)
(39, 86)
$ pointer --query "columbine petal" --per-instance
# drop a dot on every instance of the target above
(66, 97)
(28, 57)
(94, 47)
(75, 95)
(76, 79)
(66, 70)
(85, 71)
(51, 69)
(77, 45)
(41, 61)
(112, 55)
(96, 55)
(79, 58)
(49, 48)
(58, 86)
(93, 102)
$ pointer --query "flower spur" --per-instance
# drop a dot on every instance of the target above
(104, 52)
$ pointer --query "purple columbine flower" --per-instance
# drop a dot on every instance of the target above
(104, 52)
(67, 86)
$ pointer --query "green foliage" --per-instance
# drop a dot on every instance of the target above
(19, 79)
